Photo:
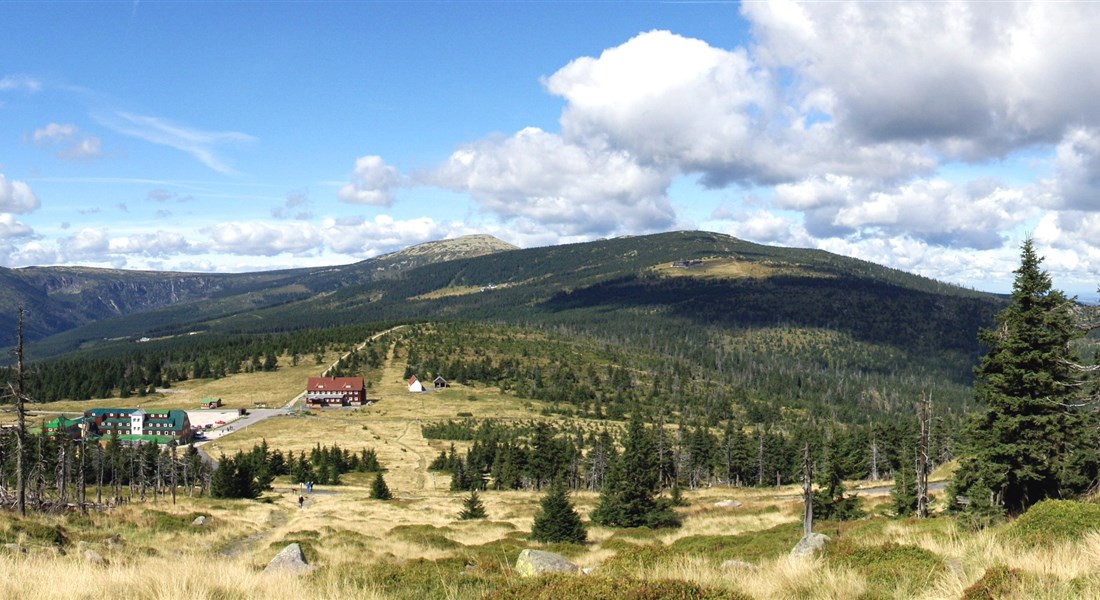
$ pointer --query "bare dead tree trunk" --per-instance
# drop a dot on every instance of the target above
(158, 485)
(61, 474)
(173, 473)
(924, 413)
(40, 470)
(99, 476)
(133, 473)
(83, 476)
(760, 460)
(874, 454)
(21, 422)
(186, 479)
(142, 472)
(807, 491)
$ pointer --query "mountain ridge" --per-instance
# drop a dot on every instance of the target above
(61, 298)
(535, 283)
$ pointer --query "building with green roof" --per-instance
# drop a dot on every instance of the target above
(62, 425)
(136, 424)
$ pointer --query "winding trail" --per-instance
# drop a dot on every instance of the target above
(276, 518)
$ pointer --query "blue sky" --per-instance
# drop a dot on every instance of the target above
(229, 136)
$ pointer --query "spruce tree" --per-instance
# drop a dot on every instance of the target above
(557, 521)
(1032, 441)
(629, 497)
(378, 489)
(904, 493)
(830, 502)
(472, 508)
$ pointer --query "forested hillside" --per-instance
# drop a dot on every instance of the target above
(59, 299)
(701, 325)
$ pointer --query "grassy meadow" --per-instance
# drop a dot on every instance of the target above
(415, 547)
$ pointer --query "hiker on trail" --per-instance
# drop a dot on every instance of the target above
(301, 501)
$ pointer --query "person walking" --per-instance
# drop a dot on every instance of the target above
(301, 501)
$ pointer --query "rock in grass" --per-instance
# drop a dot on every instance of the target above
(95, 558)
(290, 560)
(537, 562)
(15, 549)
(728, 504)
(809, 545)
(737, 565)
(200, 521)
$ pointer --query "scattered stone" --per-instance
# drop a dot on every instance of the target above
(537, 562)
(15, 549)
(468, 571)
(731, 565)
(51, 551)
(955, 566)
(200, 521)
(728, 504)
(809, 545)
(114, 542)
(290, 560)
(95, 558)
(589, 570)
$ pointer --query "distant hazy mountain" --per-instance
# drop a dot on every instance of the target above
(58, 299)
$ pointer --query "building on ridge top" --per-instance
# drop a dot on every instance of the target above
(335, 391)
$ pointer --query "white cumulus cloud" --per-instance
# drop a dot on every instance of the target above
(976, 79)
(366, 238)
(158, 244)
(73, 144)
(16, 197)
(264, 239)
(571, 189)
(11, 228)
(372, 182)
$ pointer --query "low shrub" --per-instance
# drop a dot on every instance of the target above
(753, 546)
(496, 556)
(407, 580)
(553, 587)
(637, 557)
(1053, 522)
(426, 535)
(33, 532)
(891, 567)
(166, 522)
(997, 582)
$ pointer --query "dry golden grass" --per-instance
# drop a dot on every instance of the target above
(731, 268)
(242, 390)
(345, 534)
(458, 290)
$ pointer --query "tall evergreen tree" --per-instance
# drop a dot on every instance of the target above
(557, 521)
(378, 489)
(472, 508)
(1033, 441)
(629, 497)
(830, 502)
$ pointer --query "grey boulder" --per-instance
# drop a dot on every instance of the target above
(537, 562)
(289, 560)
(809, 545)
